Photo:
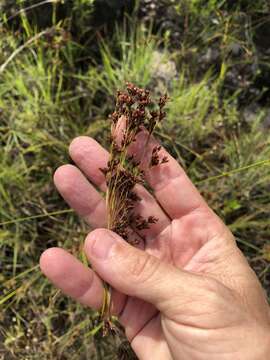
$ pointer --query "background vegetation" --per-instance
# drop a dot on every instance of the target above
(60, 64)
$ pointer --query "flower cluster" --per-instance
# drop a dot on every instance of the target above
(156, 159)
(136, 110)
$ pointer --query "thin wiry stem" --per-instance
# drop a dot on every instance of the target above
(22, 47)
(31, 7)
(236, 171)
(33, 217)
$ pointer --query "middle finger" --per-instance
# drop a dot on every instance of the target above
(90, 157)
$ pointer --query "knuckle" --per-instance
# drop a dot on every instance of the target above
(212, 291)
(144, 267)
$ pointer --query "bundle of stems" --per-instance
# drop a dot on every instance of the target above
(135, 112)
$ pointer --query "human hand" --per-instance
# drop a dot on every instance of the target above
(191, 294)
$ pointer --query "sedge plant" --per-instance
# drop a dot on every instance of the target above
(135, 112)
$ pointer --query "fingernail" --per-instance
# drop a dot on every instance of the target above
(102, 245)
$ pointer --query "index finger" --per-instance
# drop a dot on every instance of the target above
(172, 187)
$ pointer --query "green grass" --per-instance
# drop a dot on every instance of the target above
(53, 87)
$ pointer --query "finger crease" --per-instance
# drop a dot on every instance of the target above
(141, 328)
(94, 207)
(83, 293)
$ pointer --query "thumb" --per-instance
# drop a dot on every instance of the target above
(136, 273)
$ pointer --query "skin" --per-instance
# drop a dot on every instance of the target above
(186, 292)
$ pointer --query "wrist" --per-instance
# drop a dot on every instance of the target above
(267, 345)
(262, 350)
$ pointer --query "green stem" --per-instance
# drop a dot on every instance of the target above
(40, 216)
(235, 171)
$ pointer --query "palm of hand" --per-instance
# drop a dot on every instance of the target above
(188, 236)
(202, 247)
(142, 320)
